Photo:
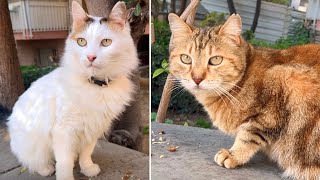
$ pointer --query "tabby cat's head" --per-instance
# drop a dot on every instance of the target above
(100, 47)
(207, 59)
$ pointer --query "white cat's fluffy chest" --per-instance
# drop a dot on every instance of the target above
(59, 100)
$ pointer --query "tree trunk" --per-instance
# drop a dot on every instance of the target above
(231, 7)
(10, 75)
(173, 6)
(183, 6)
(256, 16)
(155, 7)
(127, 131)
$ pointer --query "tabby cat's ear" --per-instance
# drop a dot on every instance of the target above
(232, 27)
(178, 26)
(117, 17)
(79, 16)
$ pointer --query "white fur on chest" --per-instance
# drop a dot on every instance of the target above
(89, 109)
(78, 107)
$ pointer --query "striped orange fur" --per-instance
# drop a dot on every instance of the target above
(268, 99)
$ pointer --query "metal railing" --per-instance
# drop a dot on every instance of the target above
(28, 16)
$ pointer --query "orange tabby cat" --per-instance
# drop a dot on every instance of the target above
(269, 99)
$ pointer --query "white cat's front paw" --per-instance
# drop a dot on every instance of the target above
(91, 171)
(46, 171)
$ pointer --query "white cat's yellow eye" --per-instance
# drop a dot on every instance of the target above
(81, 42)
(186, 59)
(215, 60)
(106, 42)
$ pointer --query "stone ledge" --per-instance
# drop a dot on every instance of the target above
(115, 162)
(193, 158)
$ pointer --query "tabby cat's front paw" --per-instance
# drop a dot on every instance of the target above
(91, 171)
(226, 159)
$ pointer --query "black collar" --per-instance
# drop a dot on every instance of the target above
(98, 82)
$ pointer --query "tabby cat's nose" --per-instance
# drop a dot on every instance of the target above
(91, 58)
(197, 80)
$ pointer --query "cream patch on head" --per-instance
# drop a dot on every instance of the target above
(101, 47)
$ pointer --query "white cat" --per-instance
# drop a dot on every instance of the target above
(61, 116)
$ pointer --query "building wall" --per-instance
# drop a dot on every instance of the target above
(28, 50)
(274, 22)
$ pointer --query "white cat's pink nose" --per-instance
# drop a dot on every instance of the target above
(91, 58)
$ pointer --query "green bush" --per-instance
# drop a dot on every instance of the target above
(283, 2)
(33, 72)
(153, 116)
(181, 102)
(301, 35)
(203, 123)
(213, 19)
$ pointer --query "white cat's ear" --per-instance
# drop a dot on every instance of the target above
(78, 14)
(232, 27)
(178, 26)
(117, 16)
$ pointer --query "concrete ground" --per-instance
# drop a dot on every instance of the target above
(116, 163)
(193, 158)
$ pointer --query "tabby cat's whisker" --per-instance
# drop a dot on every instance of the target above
(225, 93)
(234, 100)
(178, 93)
(218, 93)
(233, 85)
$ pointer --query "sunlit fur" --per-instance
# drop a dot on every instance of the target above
(61, 116)
(268, 99)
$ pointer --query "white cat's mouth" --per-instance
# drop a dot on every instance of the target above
(94, 66)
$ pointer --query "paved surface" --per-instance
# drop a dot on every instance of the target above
(193, 159)
(115, 162)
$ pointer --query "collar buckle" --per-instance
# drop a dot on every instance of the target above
(98, 82)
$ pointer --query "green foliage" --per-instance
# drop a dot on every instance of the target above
(301, 35)
(137, 6)
(213, 19)
(146, 130)
(164, 68)
(248, 35)
(33, 72)
(203, 123)
(153, 116)
(137, 10)
(168, 121)
(283, 2)
(181, 102)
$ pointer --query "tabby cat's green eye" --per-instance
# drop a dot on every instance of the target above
(81, 42)
(215, 60)
(106, 42)
(186, 59)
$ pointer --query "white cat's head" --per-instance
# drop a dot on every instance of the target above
(100, 47)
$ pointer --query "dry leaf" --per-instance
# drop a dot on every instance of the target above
(172, 148)
(22, 170)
